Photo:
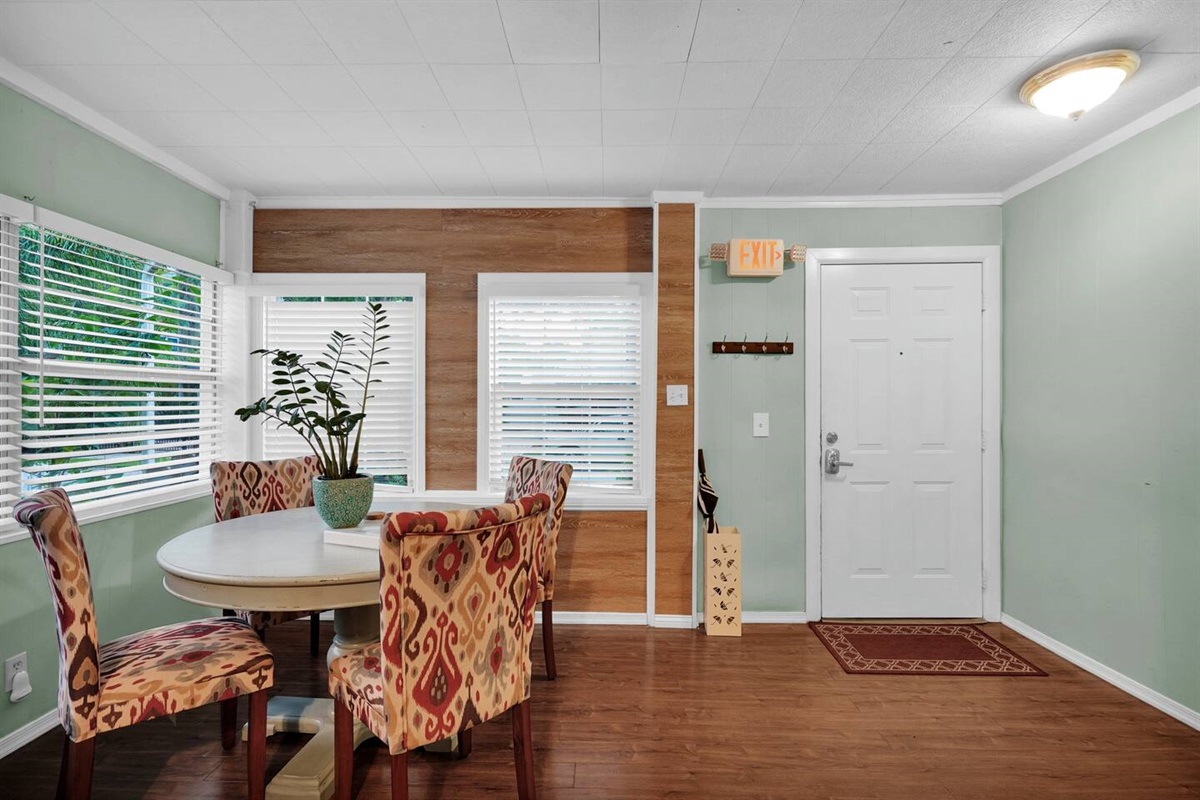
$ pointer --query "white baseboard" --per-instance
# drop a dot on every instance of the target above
(774, 617)
(673, 621)
(593, 618)
(1179, 711)
(28, 732)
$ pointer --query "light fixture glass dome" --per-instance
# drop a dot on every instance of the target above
(1073, 87)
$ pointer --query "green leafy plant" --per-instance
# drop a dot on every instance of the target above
(308, 396)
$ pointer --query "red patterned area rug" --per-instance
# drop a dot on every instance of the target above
(882, 649)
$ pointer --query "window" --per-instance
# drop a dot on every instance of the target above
(115, 368)
(300, 318)
(562, 376)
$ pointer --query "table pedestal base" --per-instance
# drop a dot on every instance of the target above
(309, 774)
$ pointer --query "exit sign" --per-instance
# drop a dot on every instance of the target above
(755, 258)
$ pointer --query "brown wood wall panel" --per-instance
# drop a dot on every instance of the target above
(602, 562)
(451, 246)
(674, 526)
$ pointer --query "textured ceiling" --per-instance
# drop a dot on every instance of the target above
(589, 98)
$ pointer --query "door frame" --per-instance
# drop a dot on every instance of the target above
(988, 256)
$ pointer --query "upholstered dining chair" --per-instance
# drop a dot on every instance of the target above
(243, 488)
(526, 476)
(144, 675)
(457, 593)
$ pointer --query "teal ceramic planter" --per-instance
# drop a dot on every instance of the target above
(343, 503)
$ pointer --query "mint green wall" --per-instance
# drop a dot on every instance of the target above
(1102, 408)
(761, 481)
(126, 585)
(75, 172)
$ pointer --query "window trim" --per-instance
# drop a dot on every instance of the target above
(570, 284)
(261, 285)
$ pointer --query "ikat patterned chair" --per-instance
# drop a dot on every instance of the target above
(525, 477)
(457, 595)
(145, 675)
(242, 488)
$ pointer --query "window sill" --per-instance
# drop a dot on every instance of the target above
(602, 502)
(10, 531)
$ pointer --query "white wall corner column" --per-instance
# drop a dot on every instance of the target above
(237, 385)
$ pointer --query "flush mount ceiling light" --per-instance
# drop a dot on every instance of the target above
(1073, 87)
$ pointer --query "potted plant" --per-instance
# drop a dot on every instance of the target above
(308, 398)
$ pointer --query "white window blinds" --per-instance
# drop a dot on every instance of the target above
(302, 325)
(119, 369)
(10, 371)
(564, 381)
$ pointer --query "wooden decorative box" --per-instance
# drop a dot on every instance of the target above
(723, 583)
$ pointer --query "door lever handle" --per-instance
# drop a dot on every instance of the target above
(833, 462)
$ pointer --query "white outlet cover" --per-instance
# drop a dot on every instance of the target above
(677, 395)
(18, 663)
(762, 424)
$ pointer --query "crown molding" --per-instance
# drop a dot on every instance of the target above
(1145, 123)
(440, 201)
(61, 103)
(855, 201)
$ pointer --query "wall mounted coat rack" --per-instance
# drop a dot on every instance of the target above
(748, 348)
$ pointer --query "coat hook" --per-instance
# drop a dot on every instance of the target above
(722, 343)
(744, 338)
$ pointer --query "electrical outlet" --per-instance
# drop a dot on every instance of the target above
(18, 663)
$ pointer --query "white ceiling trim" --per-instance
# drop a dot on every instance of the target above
(372, 201)
(1160, 114)
(58, 101)
(858, 201)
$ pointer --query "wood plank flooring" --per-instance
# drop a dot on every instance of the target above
(641, 713)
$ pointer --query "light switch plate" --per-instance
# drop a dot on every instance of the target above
(762, 424)
(677, 395)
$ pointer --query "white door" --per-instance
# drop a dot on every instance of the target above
(901, 388)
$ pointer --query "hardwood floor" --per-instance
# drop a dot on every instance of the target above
(640, 713)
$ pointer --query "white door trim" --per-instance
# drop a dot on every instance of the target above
(989, 257)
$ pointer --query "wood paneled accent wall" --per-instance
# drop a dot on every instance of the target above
(675, 530)
(603, 553)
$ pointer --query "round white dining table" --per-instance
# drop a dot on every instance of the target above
(280, 561)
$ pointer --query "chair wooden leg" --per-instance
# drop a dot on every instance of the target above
(548, 638)
(343, 750)
(75, 773)
(464, 742)
(523, 751)
(229, 722)
(400, 776)
(256, 755)
(314, 634)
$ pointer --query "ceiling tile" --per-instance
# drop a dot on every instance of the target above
(923, 123)
(480, 87)
(287, 128)
(552, 31)
(455, 170)
(888, 83)
(573, 171)
(510, 163)
(632, 171)
(933, 28)
(211, 162)
(799, 84)
(640, 127)
(1030, 27)
(189, 128)
(460, 32)
(641, 86)
(180, 31)
(363, 31)
(850, 125)
(242, 88)
(707, 127)
(566, 128)
(427, 128)
(395, 169)
(400, 87)
(1157, 25)
(856, 184)
(734, 30)
(1181, 28)
(886, 158)
(324, 88)
(638, 32)
(723, 85)
(270, 31)
(68, 33)
(743, 184)
(833, 29)
(820, 159)
(129, 88)
(800, 185)
(760, 158)
(356, 128)
(694, 168)
(779, 125)
(1012, 125)
(334, 167)
(496, 128)
(560, 87)
(972, 81)
(274, 166)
